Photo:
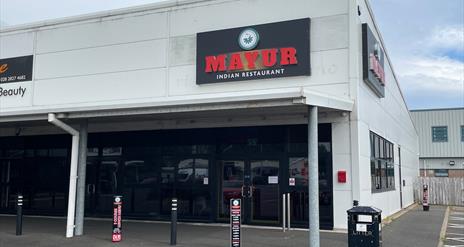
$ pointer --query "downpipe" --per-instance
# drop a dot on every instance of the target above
(73, 172)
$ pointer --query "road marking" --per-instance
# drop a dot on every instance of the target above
(459, 226)
(456, 221)
(456, 239)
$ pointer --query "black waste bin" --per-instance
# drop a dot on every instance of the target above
(364, 227)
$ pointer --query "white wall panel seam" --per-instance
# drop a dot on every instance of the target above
(168, 51)
(34, 67)
(101, 46)
(102, 73)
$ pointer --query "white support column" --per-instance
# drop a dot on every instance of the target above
(73, 172)
(313, 177)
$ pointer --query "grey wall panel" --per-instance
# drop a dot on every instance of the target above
(107, 59)
(16, 45)
(103, 32)
(101, 88)
(453, 119)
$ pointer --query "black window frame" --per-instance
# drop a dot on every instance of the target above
(441, 171)
(434, 136)
(382, 164)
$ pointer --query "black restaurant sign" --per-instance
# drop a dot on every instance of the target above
(271, 50)
(16, 69)
(373, 62)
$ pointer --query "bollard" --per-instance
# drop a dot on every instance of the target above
(19, 216)
(284, 213)
(117, 219)
(425, 198)
(289, 214)
(174, 222)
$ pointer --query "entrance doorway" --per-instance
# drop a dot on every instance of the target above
(256, 182)
(101, 184)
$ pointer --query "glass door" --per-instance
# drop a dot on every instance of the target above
(265, 191)
(256, 182)
(231, 184)
(102, 184)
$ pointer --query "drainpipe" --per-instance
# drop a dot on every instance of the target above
(73, 172)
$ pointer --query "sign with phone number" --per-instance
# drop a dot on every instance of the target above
(16, 69)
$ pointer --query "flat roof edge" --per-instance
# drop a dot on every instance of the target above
(438, 109)
(100, 14)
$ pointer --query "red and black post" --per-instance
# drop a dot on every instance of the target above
(425, 198)
(117, 219)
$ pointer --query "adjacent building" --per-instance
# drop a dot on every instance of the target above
(204, 100)
(441, 141)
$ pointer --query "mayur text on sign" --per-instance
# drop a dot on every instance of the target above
(257, 52)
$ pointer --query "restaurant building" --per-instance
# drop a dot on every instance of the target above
(204, 100)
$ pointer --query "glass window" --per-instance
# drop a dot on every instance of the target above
(139, 172)
(92, 152)
(441, 173)
(201, 171)
(112, 151)
(298, 169)
(382, 165)
(440, 134)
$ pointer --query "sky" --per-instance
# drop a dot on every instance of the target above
(424, 39)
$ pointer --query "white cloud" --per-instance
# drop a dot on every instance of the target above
(435, 67)
(432, 79)
(448, 37)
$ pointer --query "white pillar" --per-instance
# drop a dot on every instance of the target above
(313, 178)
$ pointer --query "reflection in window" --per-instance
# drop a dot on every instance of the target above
(201, 170)
(382, 166)
(139, 172)
(298, 169)
(112, 151)
(185, 171)
(92, 152)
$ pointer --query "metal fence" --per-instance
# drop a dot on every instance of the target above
(442, 191)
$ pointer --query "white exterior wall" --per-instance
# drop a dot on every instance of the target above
(149, 56)
(388, 117)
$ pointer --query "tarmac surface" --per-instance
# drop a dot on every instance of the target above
(414, 228)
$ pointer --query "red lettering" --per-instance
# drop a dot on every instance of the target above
(251, 58)
(288, 56)
(215, 63)
(376, 68)
(269, 57)
(235, 62)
